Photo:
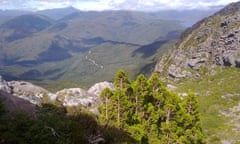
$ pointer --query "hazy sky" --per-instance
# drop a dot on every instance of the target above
(112, 4)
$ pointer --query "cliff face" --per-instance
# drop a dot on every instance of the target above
(214, 41)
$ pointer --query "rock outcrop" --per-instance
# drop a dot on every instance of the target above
(4, 85)
(71, 97)
(214, 41)
(98, 87)
(27, 91)
(13, 103)
(76, 97)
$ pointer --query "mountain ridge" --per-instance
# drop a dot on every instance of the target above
(205, 61)
(197, 47)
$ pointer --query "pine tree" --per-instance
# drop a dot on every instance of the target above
(155, 84)
(121, 80)
(113, 110)
(140, 87)
(123, 90)
(190, 120)
(105, 96)
(169, 128)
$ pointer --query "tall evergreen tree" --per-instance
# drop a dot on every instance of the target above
(155, 83)
(190, 120)
(105, 96)
(140, 87)
(121, 80)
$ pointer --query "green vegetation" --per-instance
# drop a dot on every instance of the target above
(54, 86)
(53, 125)
(217, 93)
(197, 37)
(82, 73)
(142, 111)
(215, 22)
(149, 112)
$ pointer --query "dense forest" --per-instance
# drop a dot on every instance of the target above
(142, 111)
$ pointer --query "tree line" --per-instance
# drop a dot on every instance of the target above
(150, 112)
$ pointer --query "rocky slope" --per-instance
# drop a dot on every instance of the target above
(214, 41)
(206, 61)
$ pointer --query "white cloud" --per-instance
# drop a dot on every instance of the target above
(112, 4)
(118, 1)
(168, 4)
(41, 5)
(92, 5)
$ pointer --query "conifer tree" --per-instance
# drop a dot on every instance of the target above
(105, 96)
(169, 128)
(121, 80)
(191, 123)
(154, 83)
(140, 87)
(122, 84)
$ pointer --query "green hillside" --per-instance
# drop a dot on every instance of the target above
(219, 100)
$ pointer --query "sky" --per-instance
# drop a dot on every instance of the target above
(99, 5)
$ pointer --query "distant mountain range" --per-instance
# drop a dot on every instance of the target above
(187, 17)
(85, 47)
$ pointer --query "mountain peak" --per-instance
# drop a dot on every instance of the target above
(231, 8)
